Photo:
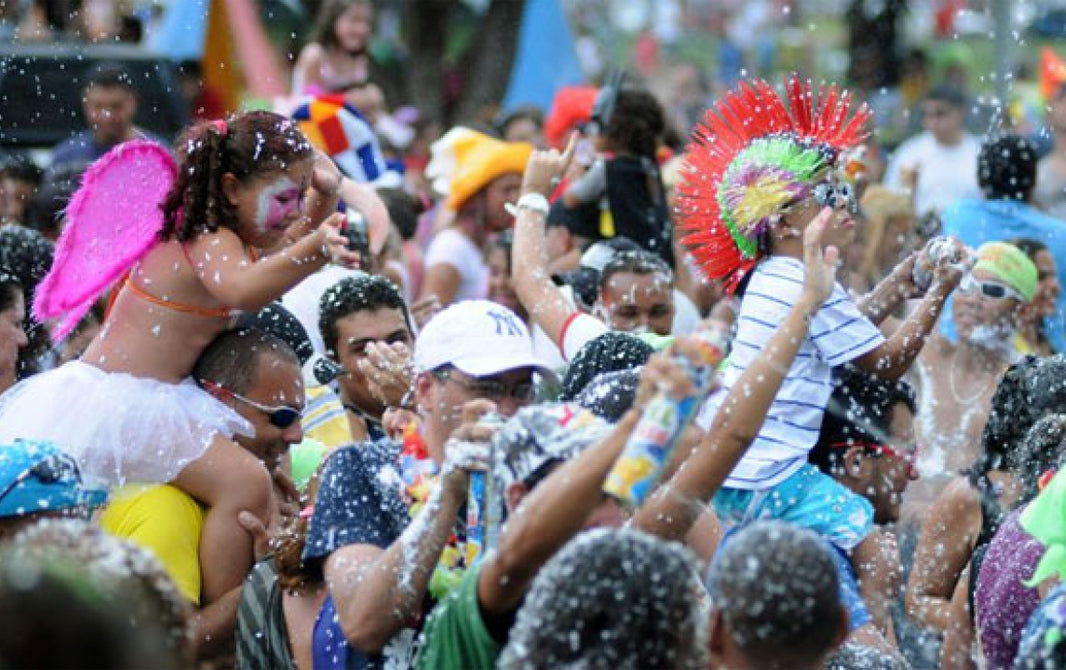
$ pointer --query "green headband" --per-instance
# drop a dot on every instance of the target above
(761, 180)
(1009, 264)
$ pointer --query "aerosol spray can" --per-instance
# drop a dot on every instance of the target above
(640, 465)
(482, 506)
(937, 250)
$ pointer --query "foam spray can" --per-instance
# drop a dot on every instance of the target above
(936, 251)
(482, 507)
(647, 451)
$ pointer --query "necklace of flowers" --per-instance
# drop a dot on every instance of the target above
(420, 473)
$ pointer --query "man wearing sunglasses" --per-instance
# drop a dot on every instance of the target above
(259, 376)
(956, 380)
(377, 549)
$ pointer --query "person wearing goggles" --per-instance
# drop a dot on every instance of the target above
(962, 375)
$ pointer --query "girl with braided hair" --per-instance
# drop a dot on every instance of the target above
(246, 217)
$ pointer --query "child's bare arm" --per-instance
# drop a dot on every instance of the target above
(890, 292)
(543, 300)
(220, 261)
(893, 358)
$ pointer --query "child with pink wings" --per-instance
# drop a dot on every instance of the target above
(249, 211)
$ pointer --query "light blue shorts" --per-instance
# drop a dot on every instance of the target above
(810, 499)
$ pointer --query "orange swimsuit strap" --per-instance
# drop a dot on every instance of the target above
(207, 313)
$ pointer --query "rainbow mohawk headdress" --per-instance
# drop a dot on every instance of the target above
(750, 158)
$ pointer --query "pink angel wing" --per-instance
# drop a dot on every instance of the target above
(112, 220)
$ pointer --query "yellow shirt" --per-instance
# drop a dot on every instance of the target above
(167, 522)
(325, 419)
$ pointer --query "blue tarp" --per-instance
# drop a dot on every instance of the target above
(975, 222)
(180, 33)
(545, 59)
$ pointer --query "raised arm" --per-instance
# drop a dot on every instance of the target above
(675, 506)
(377, 591)
(559, 507)
(892, 359)
(890, 292)
(219, 260)
(544, 301)
(553, 513)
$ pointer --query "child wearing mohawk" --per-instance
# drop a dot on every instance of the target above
(755, 176)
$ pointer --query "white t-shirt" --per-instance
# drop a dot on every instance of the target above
(302, 299)
(450, 247)
(578, 330)
(839, 333)
(945, 174)
(686, 316)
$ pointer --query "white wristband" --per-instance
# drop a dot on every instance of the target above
(534, 202)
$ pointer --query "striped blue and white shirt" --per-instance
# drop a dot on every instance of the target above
(838, 333)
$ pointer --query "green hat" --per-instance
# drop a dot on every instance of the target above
(1010, 265)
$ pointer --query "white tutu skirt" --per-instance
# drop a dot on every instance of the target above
(119, 427)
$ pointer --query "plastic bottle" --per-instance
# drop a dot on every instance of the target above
(640, 465)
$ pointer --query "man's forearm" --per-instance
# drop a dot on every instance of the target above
(376, 600)
(552, 514)
(215, 624)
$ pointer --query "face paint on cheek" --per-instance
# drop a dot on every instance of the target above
(276, 203)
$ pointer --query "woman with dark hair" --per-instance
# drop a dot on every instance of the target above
(971, 508)
(12, 336)
(1032, 337)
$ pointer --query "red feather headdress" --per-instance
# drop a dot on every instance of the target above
(750, 158)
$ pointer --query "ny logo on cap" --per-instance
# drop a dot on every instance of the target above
(505, 320)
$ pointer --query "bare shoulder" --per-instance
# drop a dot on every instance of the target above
(312, 55)
(959, 496)
(353, 557)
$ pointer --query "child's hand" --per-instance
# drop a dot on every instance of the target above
(819, 266)
(903, 276)
(546, 168)
(467, 449)
(326, 176)
(948, 271)
(334, 244)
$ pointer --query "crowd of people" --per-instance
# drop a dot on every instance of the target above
(320, 388)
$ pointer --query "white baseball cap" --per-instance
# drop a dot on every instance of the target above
(479, 337)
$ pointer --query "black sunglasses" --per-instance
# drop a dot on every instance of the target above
(834, 195)
(281, 416)
(490, 388)
(49, 470)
